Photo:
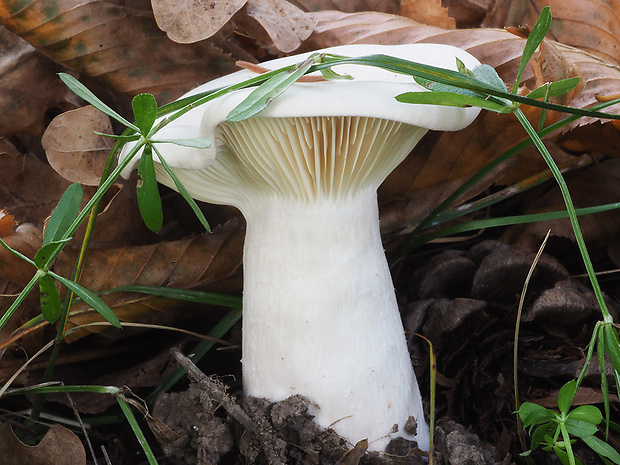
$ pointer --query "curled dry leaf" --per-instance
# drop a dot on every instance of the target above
(29, 86)
(590, 25)
(187, 21)
(73, 149)
(59, 446)
(121, 45)
(209, 262)
(427, 12)
(287, 25)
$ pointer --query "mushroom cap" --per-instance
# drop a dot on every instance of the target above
(370, 94)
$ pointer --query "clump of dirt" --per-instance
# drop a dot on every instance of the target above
(213, 427)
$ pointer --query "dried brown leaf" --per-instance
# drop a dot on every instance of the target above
(590, 25)
(427, 12)
(29, 188)
(467, 13)
(29, 86)
(120, 45)
(599, 230)
(26, 239)
(287, 25)
(73, 149)
(187, 21)
(59, 446)
(349, 6)
(207, 262)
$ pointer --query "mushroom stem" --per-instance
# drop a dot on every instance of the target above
(321, 318)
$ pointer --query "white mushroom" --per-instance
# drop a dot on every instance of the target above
(320, 317)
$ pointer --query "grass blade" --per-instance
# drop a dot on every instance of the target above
(91, 299)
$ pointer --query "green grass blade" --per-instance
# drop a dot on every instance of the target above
(91, 299)
(537, 34)
(135, 427)
(572, 215)
(412, 241)
(452, 100)
(187, 295)
(183, 191)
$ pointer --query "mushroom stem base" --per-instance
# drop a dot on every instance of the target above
(321, 318)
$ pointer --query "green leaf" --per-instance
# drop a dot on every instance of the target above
(542, 435)
(83, 92)
(147, 192)
(566, 396)
(48, 252)
(91, 299)
(50, 298)
(554, 89)
(64, 214)
(183, 191)
(489, 76)
(538, 33)
(144, 111)
(532, 414)
(603, 449)
(612, 342)
(182, 294)
(120, 137)
(264, 94)
(580, 428)
(331, 75)
(196, 142)
(452, 100)
(587, 413)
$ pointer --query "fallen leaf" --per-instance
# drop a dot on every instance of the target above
(29, 86)
(428, 12)
(29, 188)
(467, 13)
(349, 6)
(73, 149)
(26, 239)
(187, 21)
(208, 262)
(287, 25)
(590, 25)
(121, 46)
(599, 230)
(59, 446)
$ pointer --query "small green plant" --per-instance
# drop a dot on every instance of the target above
(555, 430)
